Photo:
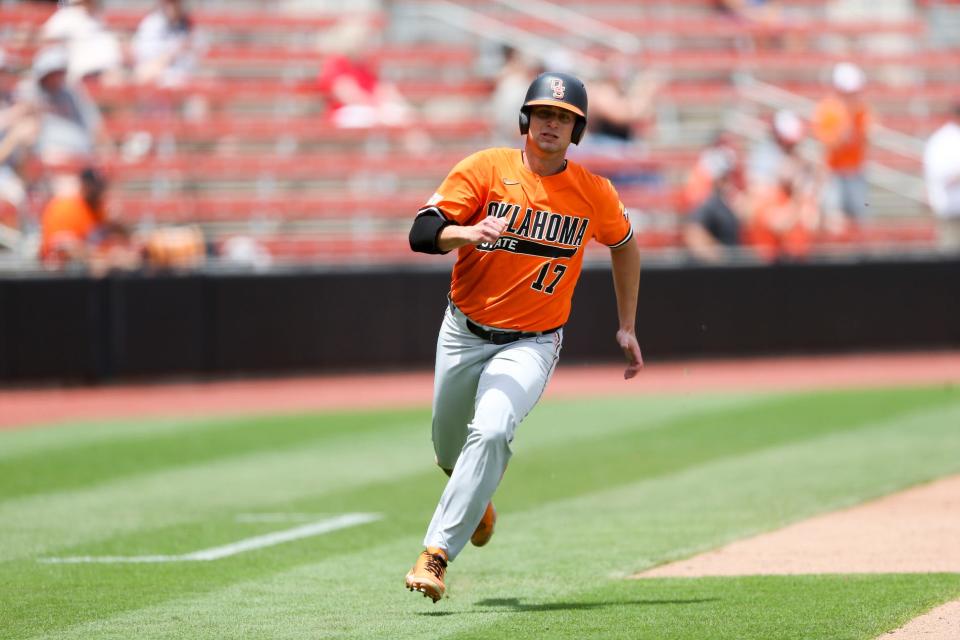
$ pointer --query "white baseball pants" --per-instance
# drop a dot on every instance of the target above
(481, 392)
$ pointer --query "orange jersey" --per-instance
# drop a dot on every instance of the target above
(66, 218)
(525, 280)
(844, 132)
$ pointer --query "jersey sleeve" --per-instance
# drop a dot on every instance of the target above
(613, 224)
(463, 192)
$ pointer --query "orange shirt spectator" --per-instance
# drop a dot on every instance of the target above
(780, 226)
(843, 128)
(697, 188)
(67, 223)
(700, 181)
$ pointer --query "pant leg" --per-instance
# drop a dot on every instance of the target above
(509, 387)
(461, 357)
(854, 193)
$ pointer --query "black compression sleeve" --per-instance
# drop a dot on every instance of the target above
(425, 231)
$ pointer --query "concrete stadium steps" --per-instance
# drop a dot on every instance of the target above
(691, 31)
(269, 94)
(333, 165)
(660, 8)
(228, 134)
(344, 165)
(319, 205)
(221, 23)
(390, 245)
(266, 160)
(283, 97)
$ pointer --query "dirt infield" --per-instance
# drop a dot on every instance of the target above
(20, 408)
(914, 531)
(942, 623)
(907, 532)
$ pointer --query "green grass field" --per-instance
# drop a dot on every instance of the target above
(597, 490)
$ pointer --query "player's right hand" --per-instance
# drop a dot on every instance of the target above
(488, 229)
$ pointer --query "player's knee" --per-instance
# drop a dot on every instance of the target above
(493, 434)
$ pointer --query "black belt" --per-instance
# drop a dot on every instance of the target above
(501, 336)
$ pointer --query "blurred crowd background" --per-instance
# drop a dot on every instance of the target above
(185, 134)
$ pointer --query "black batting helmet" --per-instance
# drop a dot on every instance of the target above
(558, 90)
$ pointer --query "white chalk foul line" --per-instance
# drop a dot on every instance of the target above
(275, 518)
(249, 544)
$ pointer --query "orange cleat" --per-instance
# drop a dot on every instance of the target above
(426, 576)
(484, 530)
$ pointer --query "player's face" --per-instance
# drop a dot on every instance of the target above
(551, 128)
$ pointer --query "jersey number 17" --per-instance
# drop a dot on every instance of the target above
(558, 270)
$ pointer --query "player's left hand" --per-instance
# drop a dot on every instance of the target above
(631, 349)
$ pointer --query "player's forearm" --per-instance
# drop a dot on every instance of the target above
(453, 237)
(626, 283)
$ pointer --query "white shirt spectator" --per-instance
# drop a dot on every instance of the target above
(163, 49)
(941, 163)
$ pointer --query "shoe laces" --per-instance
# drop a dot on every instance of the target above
(436, 565)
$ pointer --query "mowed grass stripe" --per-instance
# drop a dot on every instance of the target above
(602, 462)
(85, 464)
(561, 552)
(564, 470)
(68, 457)
(182, 493)
(270, 481)
(536, 569)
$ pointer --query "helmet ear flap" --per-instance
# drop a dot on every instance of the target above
(524, 121)
(578, 128)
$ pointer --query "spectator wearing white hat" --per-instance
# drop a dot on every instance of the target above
(778, 151)
(941, 166)
(842, 122)
(93, 51)
(71, 126)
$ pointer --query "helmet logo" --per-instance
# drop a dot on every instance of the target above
(559, 91)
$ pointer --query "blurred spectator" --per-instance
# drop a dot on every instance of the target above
(842, 122)
(784, 192)
(784, 214)
(700, 181)
(165, 46)
(8, 79)
(777, 153)
(349, 82)
(781, 225)
(70, 123)
(245, 252)
(174, 248)
(76, 230)
(763, 11)
(715, 226)
(93, 51)
(941, 164)
(767, 18)
(18, 133)
(165, 50)
(621, 108)
(511, 86)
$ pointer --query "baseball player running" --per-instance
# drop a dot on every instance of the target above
(519, 220)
